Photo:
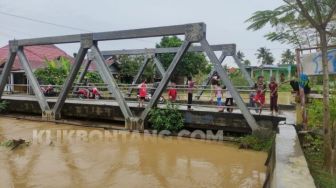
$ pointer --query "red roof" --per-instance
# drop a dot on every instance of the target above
(36, 55)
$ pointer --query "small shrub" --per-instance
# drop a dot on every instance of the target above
(169, 118)
(256, 142)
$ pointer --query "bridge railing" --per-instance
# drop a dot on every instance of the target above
(182, 91)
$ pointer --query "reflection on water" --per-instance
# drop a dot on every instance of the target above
(124, 161)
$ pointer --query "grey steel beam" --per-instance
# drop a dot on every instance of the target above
(159, 66)
(137, 76)
(184, 47)
(210, 75)
(243, 70)
(117, 35)
(82, 74)
(6, 71)
(69, 81)
(225, 78)
(33, 81)
(228, 49)
(112, 86)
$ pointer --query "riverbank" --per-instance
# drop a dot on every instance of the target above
(313, 150)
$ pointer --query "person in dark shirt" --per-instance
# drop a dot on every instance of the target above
(273, 86)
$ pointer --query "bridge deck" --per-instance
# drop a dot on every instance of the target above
(201, 117)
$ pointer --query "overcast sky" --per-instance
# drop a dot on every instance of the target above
(225, 20)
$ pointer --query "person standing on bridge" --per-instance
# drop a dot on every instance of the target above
(228, 100)
(191, 85)
(273, 86)
(142, 93)
(172, 92)
(260, 87)
(219, 95)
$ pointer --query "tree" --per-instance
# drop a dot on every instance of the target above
(240, 55)
(55, 72)
(130, 65)
(247, 62)
(288, 57)
(191, 63)
(318, 17)
(265, 56)
(319, 14)
(290, 27)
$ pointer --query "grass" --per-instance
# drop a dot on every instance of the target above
(314, 155)
(256, 142)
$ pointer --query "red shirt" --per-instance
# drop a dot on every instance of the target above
(143, 90)
(172, 93)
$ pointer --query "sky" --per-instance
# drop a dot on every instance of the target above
(225, 21)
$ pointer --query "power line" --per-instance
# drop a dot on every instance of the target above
(55, 24)
(43, 22)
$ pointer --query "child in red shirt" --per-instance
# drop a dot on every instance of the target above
(142, 93)
(273, 86)
(260, 93)
(172, 92)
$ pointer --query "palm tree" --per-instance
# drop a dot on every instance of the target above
(265, 56)
(247, 62)
(288, 57)
(240, 55)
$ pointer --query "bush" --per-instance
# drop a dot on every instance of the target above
(169, 118)
(257, 143)
(94, 77)
(313, 150)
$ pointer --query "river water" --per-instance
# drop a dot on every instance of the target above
(122, 160)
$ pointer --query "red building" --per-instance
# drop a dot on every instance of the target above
(37, 56)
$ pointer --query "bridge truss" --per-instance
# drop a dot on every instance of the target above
(194, 33)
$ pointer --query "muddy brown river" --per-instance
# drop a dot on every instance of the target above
(62, 155)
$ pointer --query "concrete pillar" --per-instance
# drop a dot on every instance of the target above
(134, 123)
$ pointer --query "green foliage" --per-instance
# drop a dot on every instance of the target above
(130, 66)
(314, 154)
(3, 105)
(94, 77)
(289, 26)
(169, 118)
(192, 62)
(287, 57)
(258, 143)
(265, 56)
(55, 72)
(247, 62)
(237, 78)
(315, 112)
(13, 143)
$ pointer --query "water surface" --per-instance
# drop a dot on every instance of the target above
(123, 160)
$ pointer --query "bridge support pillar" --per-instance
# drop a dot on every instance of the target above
(48, 115)
(134, 123)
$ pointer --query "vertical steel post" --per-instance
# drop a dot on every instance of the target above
(46, 113)
(225, 78)
(112, 85)
(8, 66)
(182, 50)
(69, 81)
(137, 76)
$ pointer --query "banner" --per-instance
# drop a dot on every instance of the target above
(312, 63)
